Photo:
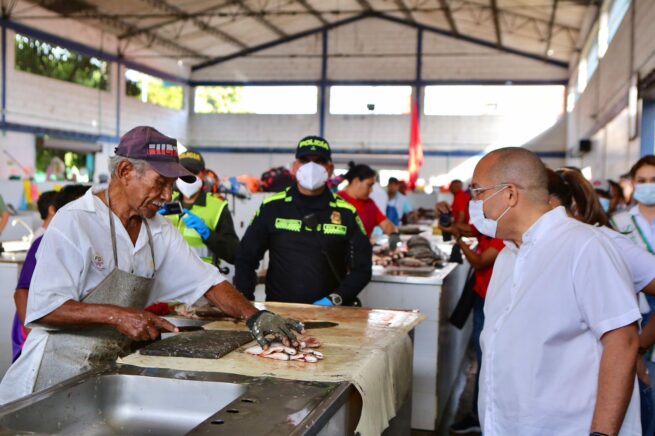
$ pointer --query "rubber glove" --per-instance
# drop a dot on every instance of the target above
(194, 222)
(266, 323)
(325, 301)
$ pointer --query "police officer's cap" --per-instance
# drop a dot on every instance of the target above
(192, 161)
(314, 146)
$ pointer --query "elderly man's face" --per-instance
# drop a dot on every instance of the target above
(147, 192)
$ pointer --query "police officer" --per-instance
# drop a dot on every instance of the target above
(318, 250)
(207, 223)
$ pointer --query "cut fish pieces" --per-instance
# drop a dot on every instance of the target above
(277, 351)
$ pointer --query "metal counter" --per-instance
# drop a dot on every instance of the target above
(436, 277)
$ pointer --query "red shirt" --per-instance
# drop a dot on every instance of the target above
(461, 204)
(367, 210)
(483, 276)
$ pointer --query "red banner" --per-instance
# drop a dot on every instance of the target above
(415, 148)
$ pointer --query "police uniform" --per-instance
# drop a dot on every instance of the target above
(223, 241)
(299, 271)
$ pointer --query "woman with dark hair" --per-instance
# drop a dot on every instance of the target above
(638, 223)
(570, 189)
(361, 179)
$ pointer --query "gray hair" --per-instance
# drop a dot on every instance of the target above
(138, 164)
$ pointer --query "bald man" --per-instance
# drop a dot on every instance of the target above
(560, 336)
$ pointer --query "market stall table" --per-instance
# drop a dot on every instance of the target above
(439, 347)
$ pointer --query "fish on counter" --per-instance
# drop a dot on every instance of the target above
(304, 353)
(416, 253)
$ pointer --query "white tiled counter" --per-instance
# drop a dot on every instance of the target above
(439, 347)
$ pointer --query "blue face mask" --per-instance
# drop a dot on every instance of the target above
(605, 204)
(645, 193)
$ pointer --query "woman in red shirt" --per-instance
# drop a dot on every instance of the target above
(361, 179)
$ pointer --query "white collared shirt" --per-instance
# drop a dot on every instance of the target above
(639, 260)
(549, 302)
(647, 228)
(76, 254)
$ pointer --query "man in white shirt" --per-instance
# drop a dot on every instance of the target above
(107, 256)
(560, 338)
(398, 205)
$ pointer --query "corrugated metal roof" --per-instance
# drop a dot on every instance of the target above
(200, 30)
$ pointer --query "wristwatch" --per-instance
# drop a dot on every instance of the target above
(336, 299)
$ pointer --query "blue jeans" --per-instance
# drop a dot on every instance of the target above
(478, 323)
(647, 397)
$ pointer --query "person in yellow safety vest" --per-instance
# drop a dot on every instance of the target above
(207, 223)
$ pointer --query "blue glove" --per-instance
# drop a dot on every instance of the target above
(194, 222)
(325, 301)
(162, 211)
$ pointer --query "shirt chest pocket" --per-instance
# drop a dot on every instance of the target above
(338, 230)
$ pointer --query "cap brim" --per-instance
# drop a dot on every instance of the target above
(173, 170)
(304, 153)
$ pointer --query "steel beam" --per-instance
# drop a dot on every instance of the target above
(183, 15)
(270, 44)
(305, 4)
(261, 20)
(473, 40)
(494, 15)
(404, 9)
(551, 25)
(445, 7)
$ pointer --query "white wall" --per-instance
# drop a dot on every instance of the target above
(21, 146)
(370, 49)
(41, 102)
(601, 113)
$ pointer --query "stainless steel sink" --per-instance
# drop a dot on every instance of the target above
(127, 400)
(125, 404)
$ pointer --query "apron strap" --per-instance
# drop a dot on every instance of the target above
(113, 236)
(151, 245)
(113, 229)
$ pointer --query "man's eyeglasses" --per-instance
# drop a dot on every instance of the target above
(475, 192)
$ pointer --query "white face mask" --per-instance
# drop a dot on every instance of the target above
(312, 176)
(645, 193)
(485, 225)
(188, 189)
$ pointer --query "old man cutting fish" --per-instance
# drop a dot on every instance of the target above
(107, 256)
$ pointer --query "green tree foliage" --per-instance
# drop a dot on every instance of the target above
(154, 90)
(38, 57)
(220, 100)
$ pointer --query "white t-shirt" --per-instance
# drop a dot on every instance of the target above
(76, 254)
(548, 304)
(380, 197)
